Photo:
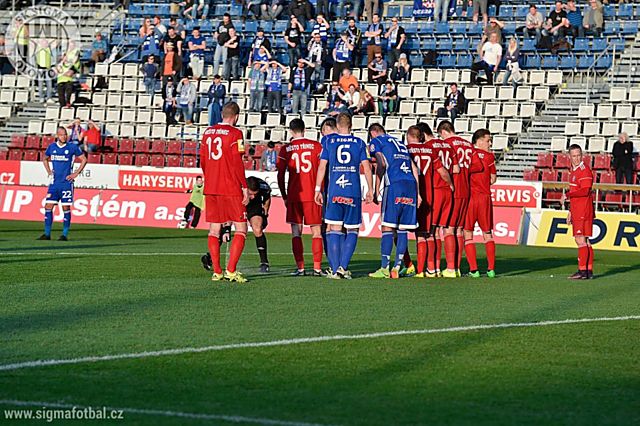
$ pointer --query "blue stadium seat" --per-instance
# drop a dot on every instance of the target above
(407, 12)
(609, 11)
(393, 10)
(618, 43)
(267, 26)
(532, 62)
(506, 11)
(461, 45)
(475, 29)
(280, 26)
(464, 61)
(509, 28)
(135, 9)
(442, 28)
(491, 10)
(599, 44)
(630, 28)
(568, 62)
(415, 60)
(586, 62)
(581, 45)
(550, 62)
(447, 61)
(445, 45)
(528, 45)
(522, 11)
(459, 28)
(612, 27)
(625, 11)
(428, 44)
(604, 62)
(410, 27)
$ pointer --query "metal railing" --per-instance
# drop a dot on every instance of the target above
(592, 68)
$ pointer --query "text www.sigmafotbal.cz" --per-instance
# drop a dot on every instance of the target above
(73, 413)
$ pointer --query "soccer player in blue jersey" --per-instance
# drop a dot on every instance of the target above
(400, 197)
(342, 157)
(61, 176)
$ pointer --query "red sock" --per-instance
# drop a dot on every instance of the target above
(490, 247)
(214, 251)
(450, 251)
(431, 255)
(438, 256)
(237, 245)
(298, 251)
(590, 263)
(407, 259)
(459, 249)
(422, 255)
(470, 251)
(316, 248)
(583, 253)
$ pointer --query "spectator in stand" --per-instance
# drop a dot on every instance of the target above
(159, 27)
(43, 56)
(480, 6)
(151, 45)
(256, 86)
(293, 38)
(441, 10)
(5, 64)
(491, 54)
(172, 67)
(260, 47)
(316, 56)
(252, 9)
(347, 80)
(512, 55)
(302, 10)
(494, 27)
(396, 38)
(374, 33)
(354, 35)
(180, 29)
(222, 37)
(269, 158)
(388, 99)
(355, 8)
(593, 21)
(199, 11)
(371, 8)
(299, 82)
(99, 49)
(574, 16)
(557, 23)
(232, 64)
(342, 54)
(401, 70)
(274, 86)
(184, 6)
(170, 104)
(196, 45)
(335, 93)
(336, 108)
(367, 104)
(534, 22)
(216, 93)
(66, 79)
(75, 131)
(623, 159)
(455, 104)
(187, 95)
(321, 27)
(91, 138)
(150, 71)
(173, 43)
(272, 9)
(378, 70)
(144, 28)
(263, 56)
(351, 99)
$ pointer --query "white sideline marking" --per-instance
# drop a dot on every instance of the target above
(164, 413)
(300, 340)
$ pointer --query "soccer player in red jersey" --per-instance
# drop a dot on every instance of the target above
(581, 211)
(428, 164)
(480, 206)
(468, 163)
(301, 158)
(443, 203)
(225, 189)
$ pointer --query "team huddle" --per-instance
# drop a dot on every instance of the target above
(437, 187)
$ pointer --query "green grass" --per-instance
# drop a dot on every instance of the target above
(89, 301)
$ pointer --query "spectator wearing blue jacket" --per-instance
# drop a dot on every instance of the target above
(217, 93)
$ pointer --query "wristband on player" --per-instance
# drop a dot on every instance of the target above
(317, 189)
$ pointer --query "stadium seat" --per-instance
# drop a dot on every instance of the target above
(563, 161)
(142, 159)
(125, 146)
(549, 175)
(564, 175)
(174, 147)
(33, 142)
(607, 177)
(125, 159)
(614, 201)
(545, 160)
(190, 148)
(558, 143)
(4, 154)
(94, 158)
(15, 154)
(157, 160)
(602, 162)
(30, 155)
(17, 141)
(142, 146)
(110, 158)
(189, 162)
(173, 161)
(158, 147)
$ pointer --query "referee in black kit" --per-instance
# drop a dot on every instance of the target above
(258, 214)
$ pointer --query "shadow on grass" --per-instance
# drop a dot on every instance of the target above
(53, 245)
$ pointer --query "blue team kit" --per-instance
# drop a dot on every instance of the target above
(62, 158)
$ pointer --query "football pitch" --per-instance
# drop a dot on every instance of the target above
(127, 318)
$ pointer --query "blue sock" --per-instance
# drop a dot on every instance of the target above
(348, 248)
(48, 221)
(333, 250)
(401, 246)
(66, 223)
(386, 246)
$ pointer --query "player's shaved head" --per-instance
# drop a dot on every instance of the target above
(343, 122)
(296, 127)
(328, 126)
(376, 130)
(425, 128)
(415, 134)
(230, 110)
(446, 129)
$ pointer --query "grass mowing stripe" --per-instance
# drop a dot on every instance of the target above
(163, 413)
(301, 340)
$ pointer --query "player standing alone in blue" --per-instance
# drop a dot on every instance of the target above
(61, 176)
(343, 154)
(400, 199)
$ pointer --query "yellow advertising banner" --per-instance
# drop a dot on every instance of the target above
(611, 231)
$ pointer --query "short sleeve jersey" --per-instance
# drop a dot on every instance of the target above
(481, 182)
(344, 153)
(396, 156)
(62, 158)
(300, 158)
(447, 157)
(221, 153)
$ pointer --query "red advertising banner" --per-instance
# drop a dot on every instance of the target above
(10, 172)
(165, 210)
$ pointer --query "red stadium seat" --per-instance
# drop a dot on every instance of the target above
(158, 147)
(31, 155)
(142, 159)
(142, 146)
(157, 160)
(564, 176)
(602, 162)
(549, 175)
(563, 161)
(111, 145)
(33, 142)
(47, 140)
(126, 145)
(545, 160)
(15, 154)
(94, 158)
(636, 163)
(607, 177)
(17, 141)
(190, 148)
(173, 161)
(174, 147)
(4, 154)
(110, 158)
(125, 159)
(189, 162)
(249, 164)
(587, 160)
(531, 175)
(614, 200)
(259, 149)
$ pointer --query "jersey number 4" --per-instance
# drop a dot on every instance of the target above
(303, 162)
(216, 153)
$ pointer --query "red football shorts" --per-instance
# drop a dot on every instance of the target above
(481, 211)
(582, 227)
(459, 211)
(442, 207)
(224, 208)
(306, 212)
